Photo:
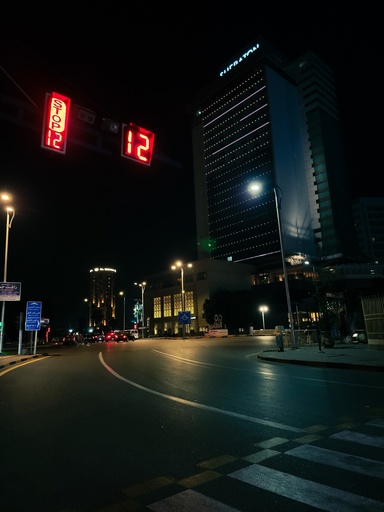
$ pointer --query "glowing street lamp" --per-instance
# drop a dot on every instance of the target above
(179, 264)
(5, 198)
(254, 189)
(123, 295)
(263, 310)
(142, 285)
(86, 301)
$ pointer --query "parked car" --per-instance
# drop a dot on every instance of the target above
(99, 337)
(69, 339)
(134, 333)
(56, 341)
(130, 335)
(121, 336)
(94, 337)
(359, 336)
(111, 336)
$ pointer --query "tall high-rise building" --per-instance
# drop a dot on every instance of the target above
(102, 298)
(368, 214)
(270, 122)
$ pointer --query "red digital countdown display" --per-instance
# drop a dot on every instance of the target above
(137, 143)
(55, 123)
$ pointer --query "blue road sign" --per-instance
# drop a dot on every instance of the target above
(184, 318)
(33, 316)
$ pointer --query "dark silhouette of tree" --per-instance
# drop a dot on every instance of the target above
(235, 308)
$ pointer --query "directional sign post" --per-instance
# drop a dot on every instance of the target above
(184, 318)
(33, 316)
(33, 319)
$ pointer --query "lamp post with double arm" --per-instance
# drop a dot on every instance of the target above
(180, 265)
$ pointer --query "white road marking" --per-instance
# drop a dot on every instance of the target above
(341, 460)
(190, 501)
(356, 437)
(197, 405)
(311, 493)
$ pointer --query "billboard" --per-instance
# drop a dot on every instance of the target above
(10, 291)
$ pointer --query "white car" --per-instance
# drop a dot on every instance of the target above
(359, 336)
(133, 334)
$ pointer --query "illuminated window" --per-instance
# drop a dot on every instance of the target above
(157, 307)
(177, 305)
(167, 305)
(189, 302)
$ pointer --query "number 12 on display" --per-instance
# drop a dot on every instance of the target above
(137, 143)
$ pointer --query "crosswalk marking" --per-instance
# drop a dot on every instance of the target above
(338, 459)
(311, 493)
(356, 437)
(376, 423)
(190, 501)
(285, 485)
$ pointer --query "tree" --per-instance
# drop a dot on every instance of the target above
(235, 308)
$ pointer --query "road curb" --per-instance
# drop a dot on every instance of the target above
(19, 359)
(324, 364)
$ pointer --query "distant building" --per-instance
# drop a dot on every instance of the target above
(163, 294)
(102, 298)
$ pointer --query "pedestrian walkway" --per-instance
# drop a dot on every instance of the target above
(273, 472)
(353, 356)
(7, 360)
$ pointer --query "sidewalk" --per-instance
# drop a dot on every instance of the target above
(8, 360)
(344, 355)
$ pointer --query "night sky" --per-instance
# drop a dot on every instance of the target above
(144, 65)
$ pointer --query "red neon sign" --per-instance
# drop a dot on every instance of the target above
(137, 143)
(55, 123)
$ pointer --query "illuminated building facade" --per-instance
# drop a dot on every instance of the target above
(274, 122)
(102, 298)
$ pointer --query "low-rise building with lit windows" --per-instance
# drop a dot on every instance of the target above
(163, 294)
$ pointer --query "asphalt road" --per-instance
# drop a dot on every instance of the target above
(188, 425)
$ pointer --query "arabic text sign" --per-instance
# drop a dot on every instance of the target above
(33, 316)
(10, 291)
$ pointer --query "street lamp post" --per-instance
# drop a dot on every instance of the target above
(254, 189)
(10, 216)
(179, 264)
(123, 295)
(88, 316)
(317, 313)
(143, 322)
(263, 310)
(289, 305)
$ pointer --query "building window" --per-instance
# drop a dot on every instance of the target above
(189, 302)
(177, 306)
(167, 306)
(157, 307)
